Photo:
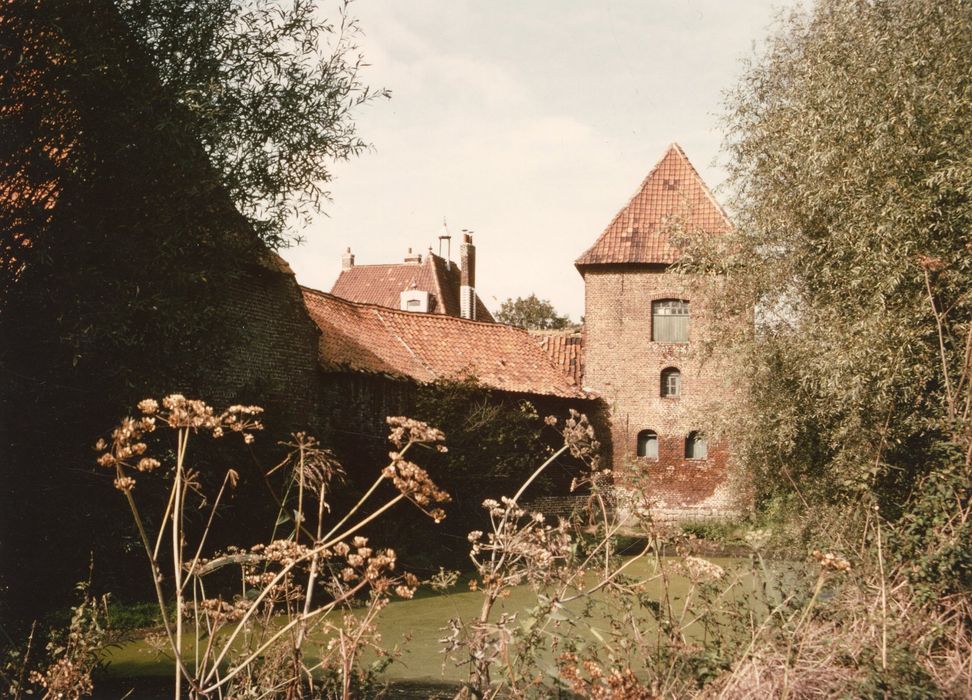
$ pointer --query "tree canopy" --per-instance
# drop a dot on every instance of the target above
(531, 313)
(150, 153)
(850, 150)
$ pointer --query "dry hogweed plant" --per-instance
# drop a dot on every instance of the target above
(293, 591)
(557, 561)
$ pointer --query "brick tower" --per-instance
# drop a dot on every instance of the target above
(644, 328)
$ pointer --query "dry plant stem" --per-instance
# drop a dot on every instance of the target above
(884, 600)
(312, 574)
(284, 571)
(282, 631)
(177, 488)
(789, 647)
(752, 642)
(202, 540)
(949, 396)
(364, 498)
(537, 472)
(156, 574)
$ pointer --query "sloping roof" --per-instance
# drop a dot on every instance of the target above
(383, 285)
(429, 347)
(672, 194)
(566, 349)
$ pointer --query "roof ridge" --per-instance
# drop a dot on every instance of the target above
(637, 233)
(641, 186)
(705, 187)
(400, 312)
(438, 282)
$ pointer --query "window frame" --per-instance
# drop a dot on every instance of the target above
(695, 442)
(671, 308)
(667, 375)
(647, 437)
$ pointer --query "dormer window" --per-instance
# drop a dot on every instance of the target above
(670, 321)
(415, 300)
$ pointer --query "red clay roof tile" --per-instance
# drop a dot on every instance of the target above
(672, 194)
(430, 347)
(566, 349)
(383, 285)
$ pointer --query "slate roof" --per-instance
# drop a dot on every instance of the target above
(672, 194)
(383, 285)
(428, 347)
(566, 349)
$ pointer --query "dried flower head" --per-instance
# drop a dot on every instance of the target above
(406, 430)
(831, 562)
(579, 436)
(698, 570)
(415, 483)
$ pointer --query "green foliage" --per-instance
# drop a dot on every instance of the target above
(267, 88)
(532, 313)
(133, 130)
(851, 156)
(713, 530)
(494, 443)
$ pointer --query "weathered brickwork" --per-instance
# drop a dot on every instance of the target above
(624, 366)
(626, 272)
(273, 361)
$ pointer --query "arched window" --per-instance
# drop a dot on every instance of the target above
(648, 444)
(695, 446)
(670, 321)
(671, 382)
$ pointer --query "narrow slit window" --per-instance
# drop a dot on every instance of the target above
(670, 321)
(648, 444)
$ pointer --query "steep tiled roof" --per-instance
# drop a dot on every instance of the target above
(566, 349)
(383, 284)
(429, 347)
(672, 194)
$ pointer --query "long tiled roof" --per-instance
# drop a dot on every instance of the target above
(430, 347)
(672, 195)
(566, 349)
(383, 285)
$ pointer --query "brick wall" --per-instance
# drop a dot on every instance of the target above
(624, 366)
(272, 360)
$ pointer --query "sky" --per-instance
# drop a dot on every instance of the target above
(529, 123)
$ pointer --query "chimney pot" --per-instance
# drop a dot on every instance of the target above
(347, 260)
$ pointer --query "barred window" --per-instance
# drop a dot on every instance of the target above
(670, 321)
(671, 382)
(648, 444)
(695, 446)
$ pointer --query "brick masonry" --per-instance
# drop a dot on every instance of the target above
(624, 366)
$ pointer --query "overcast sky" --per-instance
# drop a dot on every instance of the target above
(530, 123)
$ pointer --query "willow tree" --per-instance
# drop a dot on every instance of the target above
(850, 154)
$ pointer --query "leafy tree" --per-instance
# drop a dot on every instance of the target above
(532, 313)
(850, 150)
(268, 88)
(134, 134)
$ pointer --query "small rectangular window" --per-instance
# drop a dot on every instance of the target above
(670, 321)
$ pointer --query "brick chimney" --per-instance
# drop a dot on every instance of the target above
(413, 258)
(467, 280)
(347, 260)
